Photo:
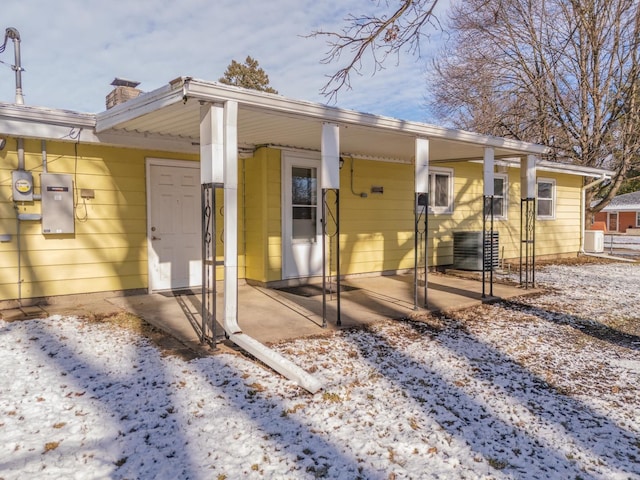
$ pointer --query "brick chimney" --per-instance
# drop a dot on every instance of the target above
(123, 90)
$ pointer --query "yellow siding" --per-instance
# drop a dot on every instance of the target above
(376, 233)
(255, 218)
(108, 250)
(263, 216)
(274, 212)
(560, 236)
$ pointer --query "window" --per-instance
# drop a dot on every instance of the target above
(304, 206)
(546, 208)
(638, 219)
(441, 190)
(500, 196)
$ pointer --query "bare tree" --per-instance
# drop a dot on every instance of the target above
(393, 27)
(565, 73)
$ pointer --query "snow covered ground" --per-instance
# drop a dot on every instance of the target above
(543, 387)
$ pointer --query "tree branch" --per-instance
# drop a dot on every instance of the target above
(378, 35)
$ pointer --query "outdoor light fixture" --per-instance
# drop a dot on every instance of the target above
(341, 162)
(3, 143)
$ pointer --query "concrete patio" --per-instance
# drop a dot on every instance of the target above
(271, 315)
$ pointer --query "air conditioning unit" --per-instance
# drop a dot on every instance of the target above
(467, 250)
(594, 241)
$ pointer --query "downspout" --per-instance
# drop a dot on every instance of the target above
(219, 164)
(583, 209)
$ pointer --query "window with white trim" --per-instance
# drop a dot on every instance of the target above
(500, 196)
(546, 198)
(440, 190)
(638, 219)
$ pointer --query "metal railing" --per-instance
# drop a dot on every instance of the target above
(616, 242)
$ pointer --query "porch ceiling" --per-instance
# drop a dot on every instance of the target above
(263, 119)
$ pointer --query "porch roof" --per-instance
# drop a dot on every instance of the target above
(173, 111)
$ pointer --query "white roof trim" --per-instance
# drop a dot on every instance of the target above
(64, 125)
(554, 167)
(145, 103)
(38, 122)
(28, 113)
(187, 88)
(626, 208)
(217, 92)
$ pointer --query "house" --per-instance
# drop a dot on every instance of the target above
(622, 213)
(112, 201)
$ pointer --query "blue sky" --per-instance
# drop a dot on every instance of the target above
(73, 49)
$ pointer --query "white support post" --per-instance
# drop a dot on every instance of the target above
(330, 181)
(528, 177)
(488, 174)
(421, 214)
(211, 143)
(330, 151)
(422, 165)
(230, 149)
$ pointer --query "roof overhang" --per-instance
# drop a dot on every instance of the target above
(173, 111)
(169, 119)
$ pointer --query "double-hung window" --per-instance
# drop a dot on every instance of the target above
(440, 190)
(546, 199)
(500, 196)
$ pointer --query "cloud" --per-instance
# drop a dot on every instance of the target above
(72, 50)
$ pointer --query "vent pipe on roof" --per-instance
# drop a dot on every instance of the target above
(13, 34)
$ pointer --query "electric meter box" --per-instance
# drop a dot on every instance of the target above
(22, 182)
(57, 203)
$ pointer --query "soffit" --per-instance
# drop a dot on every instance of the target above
(273, 120)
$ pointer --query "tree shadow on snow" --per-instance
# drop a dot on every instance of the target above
(494, 420)
(139, 432)
(140, 425)
(588, 326)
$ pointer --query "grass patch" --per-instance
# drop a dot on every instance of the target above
(331, 397)
(49, 446)
(497, 464)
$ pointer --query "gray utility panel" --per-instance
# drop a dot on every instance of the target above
(57, 203)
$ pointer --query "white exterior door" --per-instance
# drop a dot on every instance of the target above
(174, 224)
(301, 228)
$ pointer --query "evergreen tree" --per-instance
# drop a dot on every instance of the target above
(247, 75)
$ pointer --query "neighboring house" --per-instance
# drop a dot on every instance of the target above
(112, 201)
(622, 213)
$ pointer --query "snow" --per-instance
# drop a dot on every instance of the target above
(539, 387)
